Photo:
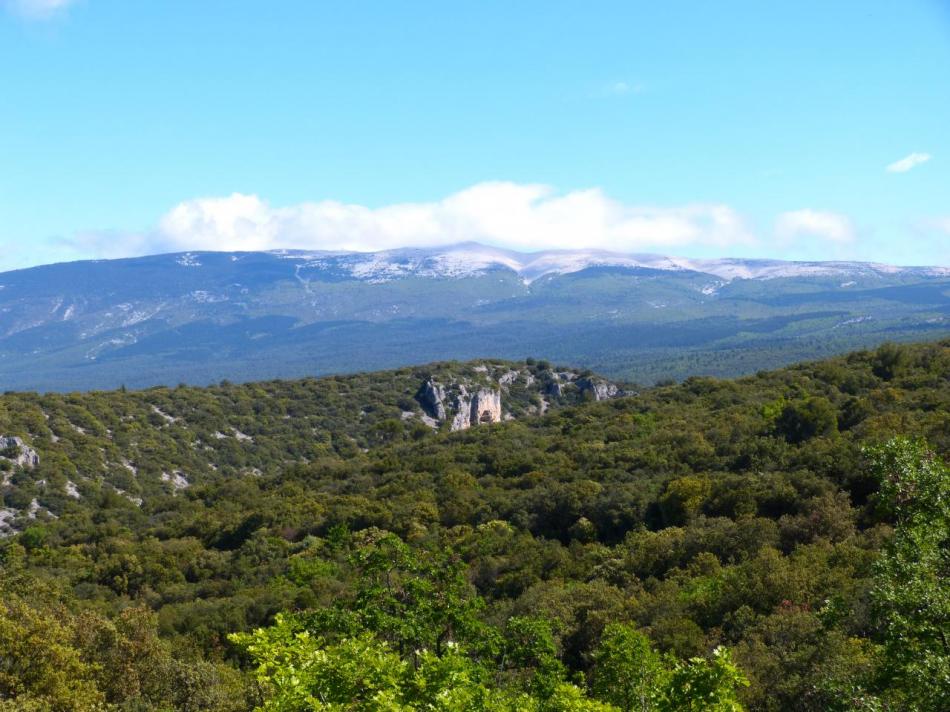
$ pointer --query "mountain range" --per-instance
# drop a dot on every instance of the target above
(201, 317)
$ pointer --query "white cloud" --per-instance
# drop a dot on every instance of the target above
(907, 162)
(517, 216)
(797, 224)
(38, 9)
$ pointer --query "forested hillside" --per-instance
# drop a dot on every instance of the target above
(776, 542)
(146, 444)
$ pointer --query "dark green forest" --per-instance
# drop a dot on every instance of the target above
(775, 542)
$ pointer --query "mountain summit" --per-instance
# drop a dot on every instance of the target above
(472, 259)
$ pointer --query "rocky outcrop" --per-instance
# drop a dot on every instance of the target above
(463, 411)
(478, 408)
(459, 406)
(18, 452)
(432, 398)
(507, 378)
(486, 407)
(473, 395)
(7, 515)
(176, 479)
(598, 388)
(462, 417)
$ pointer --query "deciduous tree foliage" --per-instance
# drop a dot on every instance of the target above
(371, 654)
(911, 593)
(587, 557)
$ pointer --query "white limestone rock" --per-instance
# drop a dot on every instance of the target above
(479, 408)
(460, 407)
(598, 388)
(486, 407)
(7, 515)
(177, 480)
(433, 399)
(16, 451)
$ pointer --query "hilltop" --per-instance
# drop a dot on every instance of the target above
(140, 445)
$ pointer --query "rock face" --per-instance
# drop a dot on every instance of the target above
(507, 378)
(7, 515)
(486, 407)
(177, 480)
(461, 408)
(483, 407)
(599, 389)
(463, 411)
(478, 408)
(432, 398)
(18, 452)
(473, 396)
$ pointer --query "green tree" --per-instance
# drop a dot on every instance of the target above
(414, 600)
(806, 419)
(300, 672)
(703, 685)
(888, 361)
(40, 668)
(911, 593)
(627, 671)
(683, 498)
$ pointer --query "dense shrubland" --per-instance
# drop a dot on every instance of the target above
(133, 443)
(778, 541)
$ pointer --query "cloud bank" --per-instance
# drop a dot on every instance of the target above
(907, 162)
(807, 223)
(524, 217)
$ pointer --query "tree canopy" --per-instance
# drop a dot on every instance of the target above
(777, 542)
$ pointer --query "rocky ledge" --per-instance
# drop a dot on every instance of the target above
(491, 392)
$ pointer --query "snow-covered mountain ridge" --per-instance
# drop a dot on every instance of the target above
(471, 259)
(198, 317)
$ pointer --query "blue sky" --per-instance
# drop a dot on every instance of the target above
(691, 128)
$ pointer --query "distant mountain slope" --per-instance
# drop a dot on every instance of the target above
(202, 317)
